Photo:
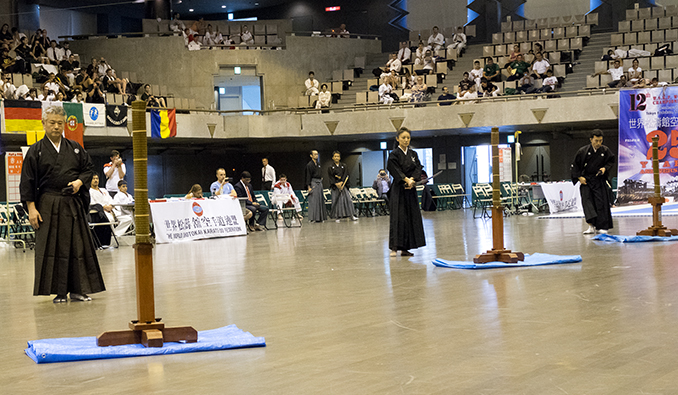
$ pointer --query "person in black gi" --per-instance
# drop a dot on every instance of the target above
(342, 201)
(54, 187)
(591, 167)
(407, 230)
(313, 182)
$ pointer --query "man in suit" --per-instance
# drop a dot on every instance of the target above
(244, 189)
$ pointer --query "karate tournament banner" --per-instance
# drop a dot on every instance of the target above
(643, 114)
(197, 219)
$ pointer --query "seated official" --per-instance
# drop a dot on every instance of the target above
(244, 190)
(101, 211)
(284, 196)
(222, 187)
(195, 192)
(124, 214)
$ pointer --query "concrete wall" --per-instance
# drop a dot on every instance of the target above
(552, 8)
(424, 14)
(190, 74)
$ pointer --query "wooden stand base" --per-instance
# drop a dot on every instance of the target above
(662, 231)
(657, 229)
(153, 334)
(506, 256)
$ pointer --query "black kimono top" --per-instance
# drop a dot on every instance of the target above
(45, 170)
(402, 165)
(311, 171)
(337, 173)
(588, 162)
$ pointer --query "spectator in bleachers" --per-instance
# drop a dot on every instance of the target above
(343, 32)
(616, 72)
(78, 97)
(114, 84)
(550, 83)
(526, 83)
(63, 81)
(44, 39)
(624, 83)
(465, 83)
(393, 63)
(435, 41)
(487, 88)
(16, 37)
(102, 67)
(385, 90)
(514, 53)
(540, 66)
(68, 67)
(46, 95)
(418, 90)
(394, 79)
(429, 64)
(6, 35)
(189, 40)
(23, 51)
(53, 84)
(419, 54)
(152, 101)
(11, 64)
(476, 73)
(176, 25)
(311, 85)
(324, 98)
(246, 37)
(7, 89)
(458, 41)
(609, 56)
(635, 72)
(65, 47)
(210, 37)
(491, 71)
(408, 79)
(32, 94)
(21, 92)
(59, 97)
(404, 54)
(39, 52)
(518, 68)
(470, 94)
(54, 53)
(445, 96)
(95, 94)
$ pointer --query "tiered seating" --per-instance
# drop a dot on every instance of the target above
(664, 68)
(448, 32)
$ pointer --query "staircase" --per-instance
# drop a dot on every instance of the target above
(586, 62)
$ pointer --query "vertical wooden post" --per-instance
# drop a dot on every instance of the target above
(657, 228)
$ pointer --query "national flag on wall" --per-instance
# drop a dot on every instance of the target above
(116, 116)
(74, 129)
(23, 115)
(163, 123)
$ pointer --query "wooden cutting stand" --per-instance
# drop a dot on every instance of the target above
(498, 253)
(657, 229)
(147, 329)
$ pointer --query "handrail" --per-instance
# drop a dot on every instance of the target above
(115, 35)
(331, 34)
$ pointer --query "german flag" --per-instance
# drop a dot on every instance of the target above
(23, 116)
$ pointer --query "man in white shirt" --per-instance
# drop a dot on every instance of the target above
(550, 83)
(419, 54)
(54, 54)
(115, 171)
(324, 98)
(471, 93)
(458, 41)
(436, 40)
(394, 64)
(124, 214)
(540, 66)
(476, 73)
(311, 85)
(404, 53)
(267, 175)
(617, 71)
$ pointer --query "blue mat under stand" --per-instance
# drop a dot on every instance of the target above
(633, 239)
(84, 348)
(537, 259)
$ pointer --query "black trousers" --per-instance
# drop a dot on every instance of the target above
(266, 185)
(261, 209)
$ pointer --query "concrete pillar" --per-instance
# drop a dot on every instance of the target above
(158, 9)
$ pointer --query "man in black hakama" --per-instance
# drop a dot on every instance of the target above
(55, 180)
(591, 167)
(407, 230)
(313, 181)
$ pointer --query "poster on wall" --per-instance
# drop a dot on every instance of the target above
(643, 114)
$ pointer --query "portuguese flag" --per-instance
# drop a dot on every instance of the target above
(74, 129)
(24, 116)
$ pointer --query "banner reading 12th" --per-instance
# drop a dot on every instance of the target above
(643, 114)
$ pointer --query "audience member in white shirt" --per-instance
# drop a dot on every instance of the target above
(124, 214)
(436, 40)
(246, 37)
(476, 73)
(404, 53)
(311, 84)
(617, 71)
(419, 54)
(324, 98)
(471, 93)
(540, 66)
(394, 64)
(210, 36)
(385, 92)
(635, 72)
(550, 83)
(458, 41)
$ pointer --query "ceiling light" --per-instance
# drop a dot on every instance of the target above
(190, 10)
(223, 6)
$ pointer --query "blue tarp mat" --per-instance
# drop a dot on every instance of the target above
(536, 259)
(84, 348)
(633, 239)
